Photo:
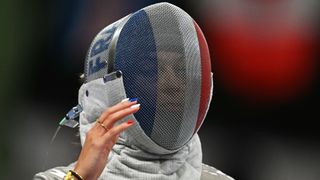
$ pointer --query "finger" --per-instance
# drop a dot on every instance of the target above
(113, 118)
(109, 144)
(116, 130)
(101, 128)
(109, 122)
(123, 104)
(115, 139)
(97, 128)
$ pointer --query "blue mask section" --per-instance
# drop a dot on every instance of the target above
(95, 60)
(136, 57)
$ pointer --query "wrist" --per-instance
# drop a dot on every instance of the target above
(80, 171)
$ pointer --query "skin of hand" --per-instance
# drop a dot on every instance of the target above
(99, 141)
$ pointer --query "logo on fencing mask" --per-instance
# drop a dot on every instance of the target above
(165, 62)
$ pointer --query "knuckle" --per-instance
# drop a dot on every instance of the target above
(123, 127)
(113, 117)
(112, 132)
(106, 113)
(129, 110)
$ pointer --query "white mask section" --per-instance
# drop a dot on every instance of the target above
(96, 96)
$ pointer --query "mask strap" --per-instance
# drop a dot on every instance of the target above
(113, 44)
(70, 119)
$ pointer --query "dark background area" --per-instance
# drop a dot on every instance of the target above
(262, 123)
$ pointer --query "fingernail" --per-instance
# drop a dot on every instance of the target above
(126, 99)
(133, 99)
(135, 106)
(130, 122)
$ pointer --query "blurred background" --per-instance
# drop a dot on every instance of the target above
(262, 123)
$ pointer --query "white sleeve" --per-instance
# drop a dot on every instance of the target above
(57, 173)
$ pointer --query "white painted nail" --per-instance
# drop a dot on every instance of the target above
(135, 106)
(126, 99)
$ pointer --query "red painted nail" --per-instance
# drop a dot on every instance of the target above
(130, 122)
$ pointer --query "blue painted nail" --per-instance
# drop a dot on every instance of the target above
(133, 99)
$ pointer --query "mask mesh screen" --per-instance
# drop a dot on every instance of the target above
(158, 53)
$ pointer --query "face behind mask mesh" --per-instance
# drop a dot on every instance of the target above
(165, 62)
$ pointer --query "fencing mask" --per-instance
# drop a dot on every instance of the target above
(160, 56)
(165, 62)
